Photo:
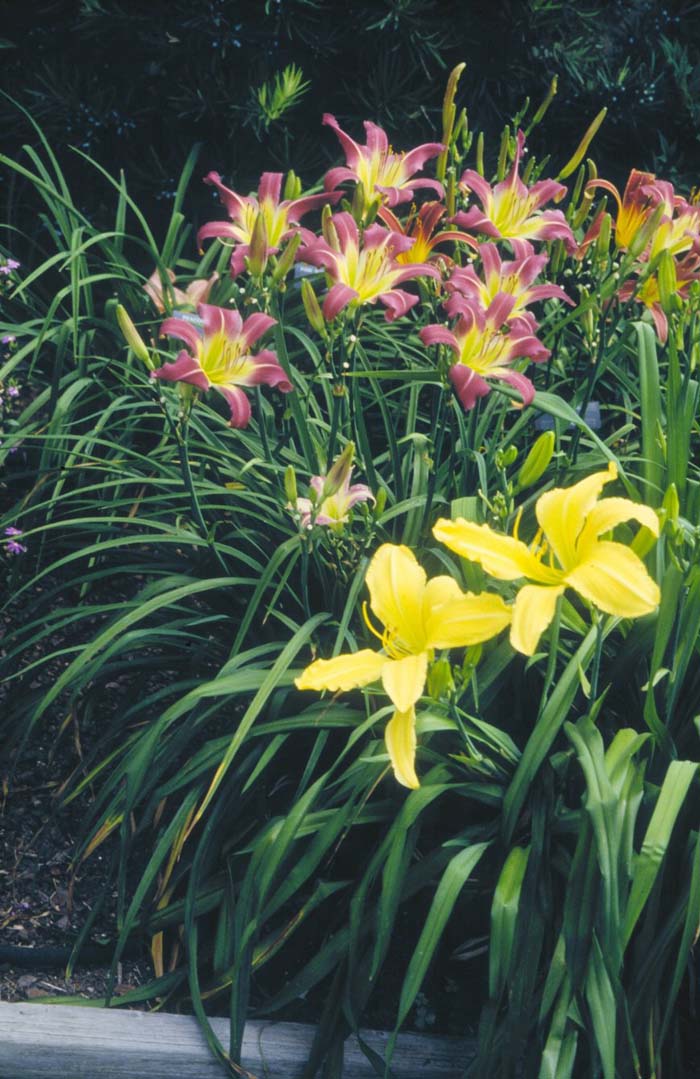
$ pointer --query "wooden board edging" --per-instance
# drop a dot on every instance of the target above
(59, 1041)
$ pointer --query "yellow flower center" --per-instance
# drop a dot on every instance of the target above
(369, 272)
(385, 169)
(509, 212)
(275, 218)
(392, 644)
(221, 359)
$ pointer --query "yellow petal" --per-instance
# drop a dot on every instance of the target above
(350, 671)
(467, 620)
(532, 613)
(503, 557)
(400, 738)
(610, 512)
(562, 513)
(614, 579)
(396, 584)
(404, 679)
(438, 592)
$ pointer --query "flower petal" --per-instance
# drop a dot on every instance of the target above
(339, 296)
(404, 679)
(468, 385)
(178, 327)
(532, 613)
(562, 513)
(505, 558)
(610, 512)
(400, 738)
(238, 403)
(470, 619)
(616, 580)
(396, 584)
(185, 369)
(350, 671)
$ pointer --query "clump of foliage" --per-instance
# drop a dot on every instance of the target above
(423, 441)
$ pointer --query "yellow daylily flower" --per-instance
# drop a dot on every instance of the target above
(566, 552)
(418, 615)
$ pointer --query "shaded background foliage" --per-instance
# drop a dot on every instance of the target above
(136, 85)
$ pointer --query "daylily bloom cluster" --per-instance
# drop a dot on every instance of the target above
(219, 357)
(416, 616)
(676, 233)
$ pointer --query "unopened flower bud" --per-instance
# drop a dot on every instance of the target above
(580, 152)
(440, 680)
(602, 244)
(257, 253)
(292, 186)
(312, 307)
(339, 471)
(671, 508)
(286, 259)
(668, 282)
(290, 484)
(133, 338)
(643, 236)
(328, 229)
(537, 461)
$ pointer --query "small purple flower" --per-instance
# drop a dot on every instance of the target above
(10, 265)
(8, 339)
(12, 544)
(13, 391)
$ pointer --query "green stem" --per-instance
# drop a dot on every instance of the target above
(597, 655)
(180, 435)
(553, 653)
(439, 426)
(293, 398)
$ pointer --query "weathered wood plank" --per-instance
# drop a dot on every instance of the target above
(45, 1041)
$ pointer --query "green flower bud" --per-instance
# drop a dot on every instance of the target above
(580, 152)
(290, 484)
(339, 472)
(292, 186)
(257, 256)
(537, 461)
(440, 680)
(133, 338)
(286, 259)
(312, 307)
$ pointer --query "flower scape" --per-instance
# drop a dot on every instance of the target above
(398, 484)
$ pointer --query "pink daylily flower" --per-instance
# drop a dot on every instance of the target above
(512, 211)
(334, 509)
(362, 272)
(420, 227)
(377, 169)
(219, 357)
(514, 278)
(281, 218)
(484, 351)
(196, 292)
